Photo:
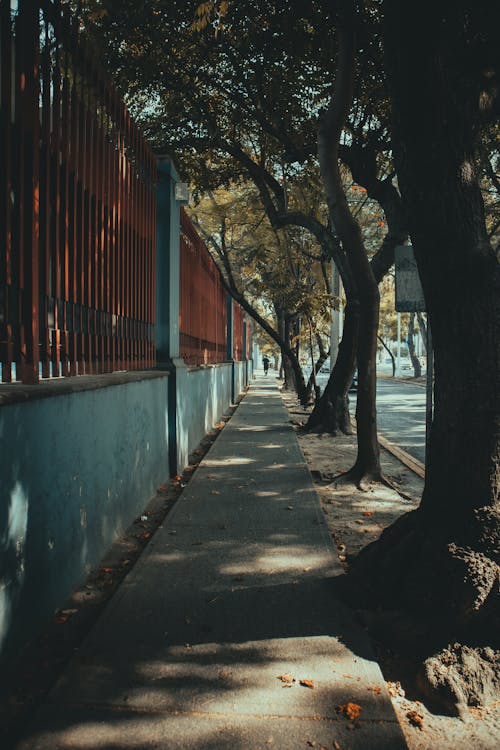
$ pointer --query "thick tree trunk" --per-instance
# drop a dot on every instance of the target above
(417, 367)
(442, 561)
(331, 412)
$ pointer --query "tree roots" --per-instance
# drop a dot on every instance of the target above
(432, 584)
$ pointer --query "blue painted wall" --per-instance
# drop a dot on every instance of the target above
(203, 395)
(75, 470)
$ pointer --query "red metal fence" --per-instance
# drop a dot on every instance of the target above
(77, 208)
(203, 305)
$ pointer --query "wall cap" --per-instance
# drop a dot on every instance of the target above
(14, 393)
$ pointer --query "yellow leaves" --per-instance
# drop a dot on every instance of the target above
(207, 13)
(351, 710)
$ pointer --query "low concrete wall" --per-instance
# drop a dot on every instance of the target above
(75, 469)
(203, 395)
(241, 377)
(79, 459)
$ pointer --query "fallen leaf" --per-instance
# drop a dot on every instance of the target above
(358, 520)
(395, 689)
(375, 689)
(307, 683)
(220, 425)
(336, 745)
(214, 492)
(288, 679)
(224, 674)
(368, 513)
(69, 611)
(146, 535)
(351, 710)
(107, 570)
(415, 719)
(163, 488)
(349, 677)
(61, 620)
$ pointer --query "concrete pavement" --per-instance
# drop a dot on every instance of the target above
(233, 591)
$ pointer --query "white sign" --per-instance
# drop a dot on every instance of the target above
(409, 294)
(182, 192)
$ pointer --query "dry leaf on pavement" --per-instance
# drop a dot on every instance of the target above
(415, 719)
(351, 710)
(307, 683)
(287, 679)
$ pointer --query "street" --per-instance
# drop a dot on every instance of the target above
(400, 413)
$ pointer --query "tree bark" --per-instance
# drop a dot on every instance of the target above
(442, 561)
(331, 411)
(363, 294)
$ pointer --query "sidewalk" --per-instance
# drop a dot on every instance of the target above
(231, 592)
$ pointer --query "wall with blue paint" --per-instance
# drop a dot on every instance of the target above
(203, 395)
(240, 377)
(75, 469)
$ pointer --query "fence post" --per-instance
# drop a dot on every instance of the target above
(168, 305)
(245, 347)
(230, 342)
(167, 265)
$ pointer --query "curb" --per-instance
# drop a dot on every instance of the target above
(409, 461)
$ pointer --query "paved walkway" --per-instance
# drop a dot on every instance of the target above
(232, 591)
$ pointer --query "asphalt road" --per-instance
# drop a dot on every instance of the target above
(400, 413)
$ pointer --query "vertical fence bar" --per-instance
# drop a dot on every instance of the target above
(6, 187)
(59, 271)
(45, 299)
(27, 65)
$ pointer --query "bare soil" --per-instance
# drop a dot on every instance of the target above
(355, 518)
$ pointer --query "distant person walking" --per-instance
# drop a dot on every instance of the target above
(265, 362)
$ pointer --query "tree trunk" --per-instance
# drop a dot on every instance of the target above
(442, 561)
(417, 367)
(331, 412)
(391, 355)
(292, 371)
(423, 330)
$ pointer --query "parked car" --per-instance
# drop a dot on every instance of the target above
(354, 382)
